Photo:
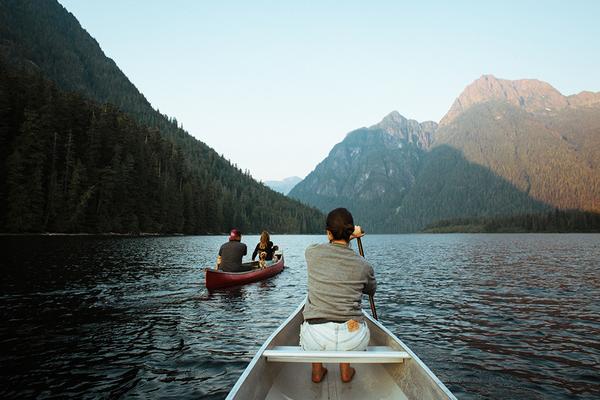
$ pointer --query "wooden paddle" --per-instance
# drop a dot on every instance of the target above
(371, 299)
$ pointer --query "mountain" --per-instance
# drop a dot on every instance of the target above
(504, 148)
(370, 169)
(71, 124)
(530, 95)
(284, 186)
(546, 144)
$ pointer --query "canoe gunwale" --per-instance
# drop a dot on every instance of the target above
(259, 353)
(259, 361)
(414, 357)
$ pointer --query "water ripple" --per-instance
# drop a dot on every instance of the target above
(513, 316)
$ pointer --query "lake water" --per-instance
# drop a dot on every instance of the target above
(493, 316)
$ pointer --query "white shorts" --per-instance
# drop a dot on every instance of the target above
(333, 336)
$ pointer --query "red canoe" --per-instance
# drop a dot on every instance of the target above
(220, 279)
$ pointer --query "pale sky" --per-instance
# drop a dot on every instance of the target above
(274, 85)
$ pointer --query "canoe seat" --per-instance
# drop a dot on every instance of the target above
(373, 355)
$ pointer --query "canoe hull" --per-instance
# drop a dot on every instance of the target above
(219, 279)
(410, 379)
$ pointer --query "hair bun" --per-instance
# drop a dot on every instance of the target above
(340, 223)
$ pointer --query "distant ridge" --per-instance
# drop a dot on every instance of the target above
(285, 185)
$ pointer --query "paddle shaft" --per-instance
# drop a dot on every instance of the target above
(371, 299)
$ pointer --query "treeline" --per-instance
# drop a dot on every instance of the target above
(41, 36)
(552, 221)
(68, 164)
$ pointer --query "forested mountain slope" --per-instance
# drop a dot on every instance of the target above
(47, 131)
(449, 186)
(72, 165)
(544, 143)
(394, 181)
(370, 171)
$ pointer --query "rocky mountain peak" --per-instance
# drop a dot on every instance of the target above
(408, 130)
(584, 99)
(532, 95)
(393, 118)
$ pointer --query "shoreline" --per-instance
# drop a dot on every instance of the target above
(142, 234)
(152, 234)
(108, 234)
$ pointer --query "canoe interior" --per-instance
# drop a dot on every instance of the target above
(253, 264)
(276, 380)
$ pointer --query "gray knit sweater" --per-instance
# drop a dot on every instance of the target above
(337, 278)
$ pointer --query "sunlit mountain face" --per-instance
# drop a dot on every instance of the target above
(504, 148)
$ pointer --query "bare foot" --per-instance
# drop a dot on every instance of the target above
(318, 372)
(346, 372)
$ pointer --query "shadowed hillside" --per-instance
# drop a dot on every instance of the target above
(48, 132)
(449, 186)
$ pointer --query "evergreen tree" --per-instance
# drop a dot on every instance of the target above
(72, 165)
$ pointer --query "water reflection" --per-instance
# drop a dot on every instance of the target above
(513, 316)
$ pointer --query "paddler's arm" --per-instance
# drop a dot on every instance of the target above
(218, 263)
(371, 284)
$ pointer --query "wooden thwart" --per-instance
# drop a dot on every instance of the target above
(373, 355)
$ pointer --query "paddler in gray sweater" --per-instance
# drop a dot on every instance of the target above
(337, 279)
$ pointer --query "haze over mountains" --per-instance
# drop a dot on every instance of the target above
(285, 185)
(503, 148)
